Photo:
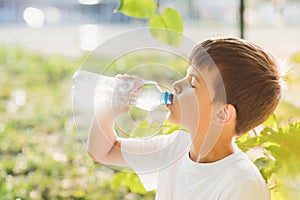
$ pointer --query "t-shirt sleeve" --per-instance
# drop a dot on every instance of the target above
(248, 190)
(148, 156)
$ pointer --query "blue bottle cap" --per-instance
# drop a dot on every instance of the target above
(166, 98)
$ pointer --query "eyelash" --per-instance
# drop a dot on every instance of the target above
(192, 86)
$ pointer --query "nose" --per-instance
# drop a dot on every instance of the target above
(179, 85)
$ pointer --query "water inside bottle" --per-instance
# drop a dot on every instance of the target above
(150, 97)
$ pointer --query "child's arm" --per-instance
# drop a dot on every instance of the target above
(103, 145)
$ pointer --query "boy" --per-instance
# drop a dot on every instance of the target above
(231, 86)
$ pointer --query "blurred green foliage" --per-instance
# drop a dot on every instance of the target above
(296, 57)
(165, 26)
(42, 156)
(277, 155)
(138, 9)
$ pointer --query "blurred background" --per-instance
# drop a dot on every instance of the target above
(70, 27)
(42, 43)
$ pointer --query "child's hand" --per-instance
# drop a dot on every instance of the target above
(127, 91)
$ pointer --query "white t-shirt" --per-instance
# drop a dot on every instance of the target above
(163, 164)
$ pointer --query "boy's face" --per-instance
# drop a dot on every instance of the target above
(192, 104)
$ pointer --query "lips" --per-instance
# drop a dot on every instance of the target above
(169, 106)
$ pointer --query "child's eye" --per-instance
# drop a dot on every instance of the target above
(192, 86)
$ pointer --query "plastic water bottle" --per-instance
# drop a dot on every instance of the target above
(103, 87)
(152, 96)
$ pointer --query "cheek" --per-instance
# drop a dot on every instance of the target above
(190, 112)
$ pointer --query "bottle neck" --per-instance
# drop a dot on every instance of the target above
(166, 98)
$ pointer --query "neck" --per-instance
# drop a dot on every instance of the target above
(208, 151)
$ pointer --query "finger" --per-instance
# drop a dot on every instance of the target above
(126, 76)
(118, 76)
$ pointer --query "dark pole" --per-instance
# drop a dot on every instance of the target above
(242, 24)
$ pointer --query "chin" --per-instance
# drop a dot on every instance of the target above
(172, 118)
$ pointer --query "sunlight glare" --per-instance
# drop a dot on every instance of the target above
(33, 17)
(89, 37)
(88, 2)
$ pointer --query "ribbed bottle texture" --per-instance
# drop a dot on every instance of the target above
(149, 97)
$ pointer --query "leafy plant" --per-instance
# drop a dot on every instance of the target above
(139, 9)
(166, 26)
(278, 161)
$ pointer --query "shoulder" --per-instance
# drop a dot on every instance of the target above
(182, 135)
(244, 170)
(247, 169)
(246, 181)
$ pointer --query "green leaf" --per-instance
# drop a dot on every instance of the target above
(265, 166)
(137, 8)
(267, 131)
(249, 143)
(271, 122)
(167, 27)
(274, 149)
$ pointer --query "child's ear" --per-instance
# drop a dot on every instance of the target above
(226, 114)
